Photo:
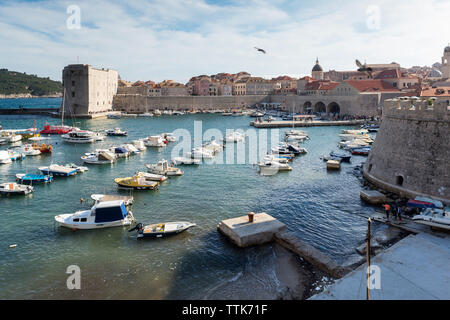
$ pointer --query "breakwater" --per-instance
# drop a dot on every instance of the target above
(287, 124)
(30, 111)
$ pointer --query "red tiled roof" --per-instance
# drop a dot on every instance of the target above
(388, 74)
(321, 85)
(372, 85)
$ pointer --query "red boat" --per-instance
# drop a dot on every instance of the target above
(48, 129)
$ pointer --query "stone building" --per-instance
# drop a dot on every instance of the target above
(411, 154)
(88, 91)
(259, 86)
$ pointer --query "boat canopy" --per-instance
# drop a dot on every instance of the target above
(108, 211)
(419, 204)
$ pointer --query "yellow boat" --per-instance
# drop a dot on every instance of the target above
(136, 182)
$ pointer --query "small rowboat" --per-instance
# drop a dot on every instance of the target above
(160, 230)
(33, 178)
(333, 165)
(361, 151)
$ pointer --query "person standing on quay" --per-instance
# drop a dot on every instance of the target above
(387, 208)
(399, 213)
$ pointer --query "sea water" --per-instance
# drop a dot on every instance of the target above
(322, 208)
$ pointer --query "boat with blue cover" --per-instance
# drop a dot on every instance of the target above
(343, 157)
(57, 170)
(27, 178)
(103, 214)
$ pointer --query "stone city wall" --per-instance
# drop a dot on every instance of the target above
(411, 153)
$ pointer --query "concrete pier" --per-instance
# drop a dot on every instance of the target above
(287, 124)
(245, 233)
(372, 196)
(310, 254)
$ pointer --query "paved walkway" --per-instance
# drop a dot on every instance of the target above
(417, 267)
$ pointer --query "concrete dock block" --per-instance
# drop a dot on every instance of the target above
(244, 233)
(373, 196)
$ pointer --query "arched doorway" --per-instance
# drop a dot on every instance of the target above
(307, 107)
(320, 107)
(333, 108)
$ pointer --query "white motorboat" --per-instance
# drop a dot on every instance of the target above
(357, 131)
(139, 144)
(103, 214)
(102, 157)
(152, 176)
(162, 167)
(98, 136)
(130, 148)
(116, 132)
(28, 150)
(57, 170)
(116, 115)
(79, 136)
(5, 157)
(160, 230)
(213, 146)
(185, 161)
(156, 112)
(154, 141)
(433, 217)
(10, 136)
(11, 188)
(275, 165)
(280, 159)
(296, 132)
(146, 114)
(200, 153)
(296, 138)
(235, 137)
(78, 168)
(169, 137)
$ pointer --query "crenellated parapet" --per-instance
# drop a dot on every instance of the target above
(417, 109)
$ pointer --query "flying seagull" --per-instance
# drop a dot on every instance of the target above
(260, 50)
(364, 68)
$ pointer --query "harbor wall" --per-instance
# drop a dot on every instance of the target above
(411, 153)
(362, 104)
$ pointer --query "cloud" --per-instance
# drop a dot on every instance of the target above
(174, 39)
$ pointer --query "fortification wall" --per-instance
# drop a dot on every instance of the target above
(411, 154)
(138, 104)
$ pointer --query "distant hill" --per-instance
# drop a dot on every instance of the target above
(17, 83)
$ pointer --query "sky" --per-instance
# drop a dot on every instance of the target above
(177, 39)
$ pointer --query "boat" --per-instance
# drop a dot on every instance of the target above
(5, 157)
(98, 136)
(433, 217)
(116, 132)
(3, 141)
(57, 170)
(12, 188)
(154, 141)
(364, 151)
(79, 136)
(42, 147)
(227, 114)
(156, 112)
(114, 115)
(76, 167)
(152, 176)
(26, 178)
(169, 137)
(28, 150)
(139, 144)
(185, 161)
(333, 165)
(275, 165)
(10, 136)
(279, 158)
(235, 137)
(200, 153)
(256, 114)
(49, 129)
(138, 182)
(160, 230)
(296, 132)
(119, 152)
(102, 157)
(146, 114)
(162, 167)
(362, 131)
(130, 148)
(16, 155)
(213, 146)
(344, 157)
(128, 200)
(103, 214)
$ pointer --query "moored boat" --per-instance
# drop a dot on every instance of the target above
(116, 132)
(58, 170)
(162, 167)
(185, 161)
(102, 215)
(79, 136)
(160, 230)
(152, 176)
(12, 188)
(49, 129)
(333, 165)
(27, 178)
(433, 217)
(138, 182)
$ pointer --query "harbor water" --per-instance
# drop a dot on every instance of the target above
(322, 208)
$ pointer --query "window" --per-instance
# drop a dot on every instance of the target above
(76, 220)
(73, 83)
(73, 94)
(83, 219)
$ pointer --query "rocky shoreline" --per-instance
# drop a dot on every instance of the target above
(28, 95)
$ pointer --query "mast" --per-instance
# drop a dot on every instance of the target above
(368, 260)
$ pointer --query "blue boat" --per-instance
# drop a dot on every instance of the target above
(27, 178)
(57, 170)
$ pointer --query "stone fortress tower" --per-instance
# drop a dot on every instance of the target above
(88, 91)
(317, 71)
(411, 154)
(445, 68)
